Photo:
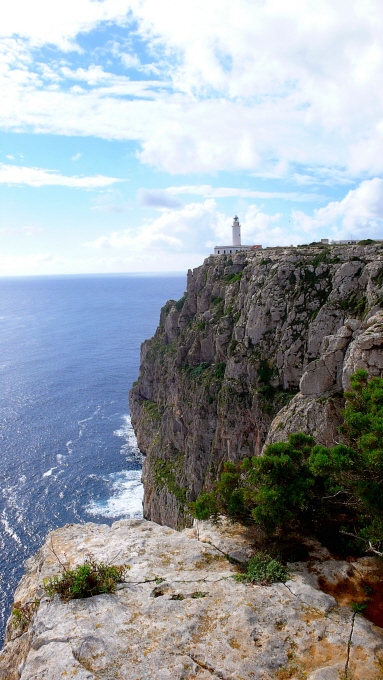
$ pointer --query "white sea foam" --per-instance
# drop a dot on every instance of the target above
(85, 420)
(68, 446)
(48, 473)
(126, 499)
(129, 448)
(8, 529)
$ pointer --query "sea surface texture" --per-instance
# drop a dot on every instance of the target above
(69, 352)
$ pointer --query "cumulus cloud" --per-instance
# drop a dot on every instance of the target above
(245, 85)
(359, 214)
(38, 177)
(183, 230)
(151, 198)
(58, 23)
(195, 228)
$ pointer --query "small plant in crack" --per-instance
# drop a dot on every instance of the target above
(22, 614)
(198, 594)
(177, 596)
(264, 570)
(358, 607)
(85, 580)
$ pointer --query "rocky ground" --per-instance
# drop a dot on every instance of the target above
(181, 615)
(261, 345)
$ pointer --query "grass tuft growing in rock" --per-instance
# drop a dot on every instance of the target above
(85, 580)
(264, 569)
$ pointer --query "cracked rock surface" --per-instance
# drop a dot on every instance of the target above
(195, 623)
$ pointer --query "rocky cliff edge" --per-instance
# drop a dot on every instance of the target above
(262, 344)
(181, 616)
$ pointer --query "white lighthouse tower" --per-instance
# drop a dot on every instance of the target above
(236, 242)
(236, 232)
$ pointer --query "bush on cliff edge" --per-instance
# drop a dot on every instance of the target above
(300, 485)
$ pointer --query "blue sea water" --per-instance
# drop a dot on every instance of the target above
(69, 352)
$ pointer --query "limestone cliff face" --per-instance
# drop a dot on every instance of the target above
(262, 344)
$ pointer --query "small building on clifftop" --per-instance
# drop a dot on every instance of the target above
(236, 246)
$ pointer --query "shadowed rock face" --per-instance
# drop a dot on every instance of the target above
(198, 623)
(220, 375)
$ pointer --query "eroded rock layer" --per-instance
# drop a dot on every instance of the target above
(262, 344)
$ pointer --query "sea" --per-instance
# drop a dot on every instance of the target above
(69, 353)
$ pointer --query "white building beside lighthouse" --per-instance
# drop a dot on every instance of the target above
(236, 245)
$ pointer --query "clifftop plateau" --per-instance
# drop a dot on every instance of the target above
(261, 345)
(181, 616)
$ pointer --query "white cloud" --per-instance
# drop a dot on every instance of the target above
(76, 156)
(112, 207)
(193, 229)
(196, 227)
(130, 60)
(58, 23)
(359, 214)
(180, 230)
(230, 192)
(256, 85)
(37, 177)
(151, 198)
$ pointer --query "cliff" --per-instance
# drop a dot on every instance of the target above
(180, 615)
(261, 344)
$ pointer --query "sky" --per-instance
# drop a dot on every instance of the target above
(132, 131)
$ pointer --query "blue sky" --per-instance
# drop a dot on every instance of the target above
(131, 131)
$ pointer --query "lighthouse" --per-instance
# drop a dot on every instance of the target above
(236, 246)
(236, 228)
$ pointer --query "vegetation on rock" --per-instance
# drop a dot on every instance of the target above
(264, 569)
(85, 580)
(300, 485)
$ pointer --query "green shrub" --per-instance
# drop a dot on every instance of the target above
(85, 580)
(321, 258)
(180, 303)
(22, 614)
(233, 278)
(166, 475)
(219, 371)
(298, 485)
(264, 570)
(152, 409)
(366, 242)
(216, 301)
(196, 371)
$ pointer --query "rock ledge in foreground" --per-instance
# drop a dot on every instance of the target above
(234, 632)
